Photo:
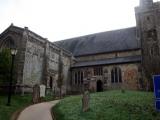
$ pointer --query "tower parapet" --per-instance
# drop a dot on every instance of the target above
(146, 3)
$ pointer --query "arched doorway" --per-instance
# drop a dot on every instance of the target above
(99, 86)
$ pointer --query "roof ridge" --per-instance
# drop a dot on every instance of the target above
(92, 34)
(104, 42)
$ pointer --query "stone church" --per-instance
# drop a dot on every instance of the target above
(119, 59)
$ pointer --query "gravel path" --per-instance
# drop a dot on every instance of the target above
(39, 111)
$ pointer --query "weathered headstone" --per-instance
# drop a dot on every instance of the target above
(42, 90)
(36, 94)
(85, 101)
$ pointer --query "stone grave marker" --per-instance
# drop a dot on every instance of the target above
(85, 101)
(36, 94)
(42, 90)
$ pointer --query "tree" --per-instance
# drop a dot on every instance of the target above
(60, 75)
(5, 65)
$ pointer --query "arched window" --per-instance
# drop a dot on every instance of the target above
(75, 77)
(154, 51)
(98, 71)
(105, 76)
(116, 75)
(78, 78)
(112, 76)
(119, 75)
(152, 35)
(81, 77)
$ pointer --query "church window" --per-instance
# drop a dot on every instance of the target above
(78, 78)
(98, 71)
(112, 76)
(85, 73)
(120, 75)
(148, 18)
(105, 76)
(154, 51)
(116, 75)
(75, 77)
(152, 34)
(105, 71)
(81, 77)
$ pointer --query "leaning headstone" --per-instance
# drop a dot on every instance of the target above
(36, 94)
(85, 101)
(42, 90)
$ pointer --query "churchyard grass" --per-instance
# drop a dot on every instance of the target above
(109, 105)
(17, 102)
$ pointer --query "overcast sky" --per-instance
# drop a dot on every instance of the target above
(62, 19)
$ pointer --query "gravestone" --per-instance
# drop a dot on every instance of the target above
(42, 90)
(85, 101)
(36, 94)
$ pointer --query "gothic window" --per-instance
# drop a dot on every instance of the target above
(112, 76)
(148, 18)
(152, 34)
(105, 76)
(154, 51)
(148, 22)
(106, 71)
(116, 75)
(98, 71)
(120, 75)
(85, 74)
(78, 78)
(95, 71)
(75, 77)
(81, 77)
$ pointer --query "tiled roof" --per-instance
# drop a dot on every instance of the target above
(110, 41)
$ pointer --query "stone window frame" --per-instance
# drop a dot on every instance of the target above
(148, 22)
(98, 71)
(152, 35)
(75, 78)
(154, 50)
(78, 77)
(106, 75)
(116, 75)
(81, 77)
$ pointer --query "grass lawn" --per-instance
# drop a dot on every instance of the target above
(17, 102)
(109, 105)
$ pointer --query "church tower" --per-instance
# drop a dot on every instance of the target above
(148, 33)
(146, 3)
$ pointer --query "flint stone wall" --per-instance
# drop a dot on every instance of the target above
(131, 76)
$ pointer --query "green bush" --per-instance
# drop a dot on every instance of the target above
(17, 102)
(5, 66)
